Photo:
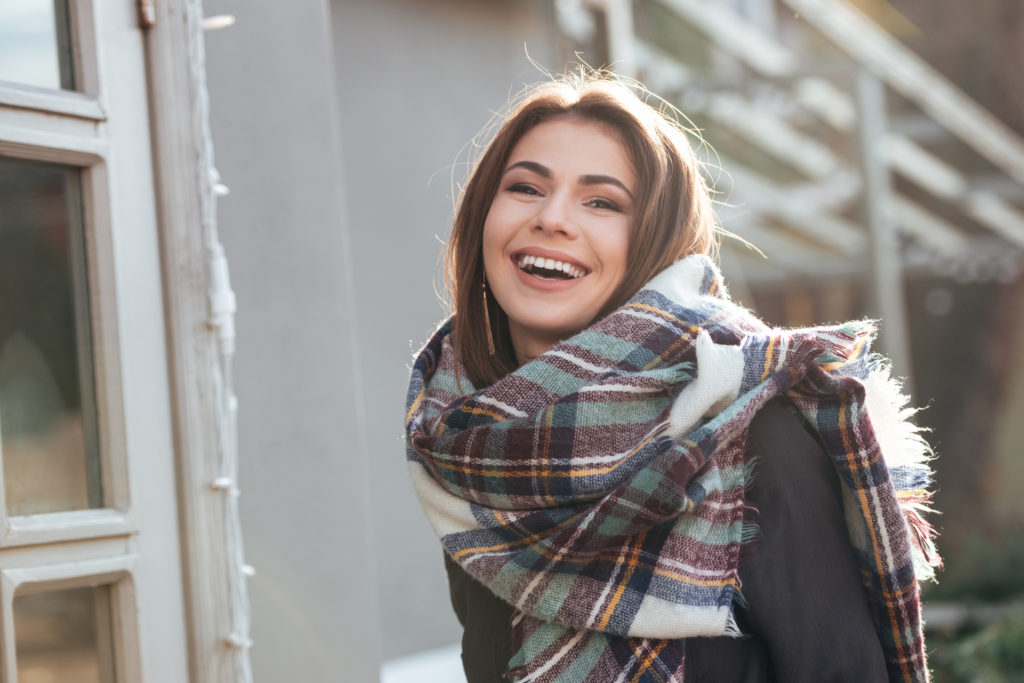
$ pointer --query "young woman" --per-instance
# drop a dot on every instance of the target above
(633, 478)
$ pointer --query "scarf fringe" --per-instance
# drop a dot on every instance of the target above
(908, 457)
(751, 530)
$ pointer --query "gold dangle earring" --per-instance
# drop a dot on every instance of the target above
(487, 320)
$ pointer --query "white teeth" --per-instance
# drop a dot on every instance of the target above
(530, 261)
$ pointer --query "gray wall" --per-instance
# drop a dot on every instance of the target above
(417, 80)
(303, 473)
(334, 243)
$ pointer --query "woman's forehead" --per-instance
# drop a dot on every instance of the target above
(574, 147)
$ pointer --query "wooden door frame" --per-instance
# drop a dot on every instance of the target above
(199, 309)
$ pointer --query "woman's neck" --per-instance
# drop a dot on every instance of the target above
(528, 346)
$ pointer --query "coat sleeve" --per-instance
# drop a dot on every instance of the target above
(486, 626)
(804, 595)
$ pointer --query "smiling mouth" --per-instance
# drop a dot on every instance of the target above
(549, 269)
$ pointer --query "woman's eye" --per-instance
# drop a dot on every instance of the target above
(605, 204)
(523, 188)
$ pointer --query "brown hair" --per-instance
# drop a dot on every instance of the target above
(674, 215)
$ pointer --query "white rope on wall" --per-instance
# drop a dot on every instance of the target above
(222, 323)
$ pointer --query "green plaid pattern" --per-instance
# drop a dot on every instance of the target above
(568, 489)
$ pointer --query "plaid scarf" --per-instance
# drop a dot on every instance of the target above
(599, 488)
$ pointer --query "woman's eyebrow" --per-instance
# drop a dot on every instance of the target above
(598, 179)
(539, 169)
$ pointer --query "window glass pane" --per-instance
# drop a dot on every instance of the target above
(48, 439)
(64, 636)
(35, 45)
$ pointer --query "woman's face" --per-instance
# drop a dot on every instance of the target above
(556, 236)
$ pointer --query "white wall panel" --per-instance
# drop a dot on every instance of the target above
(303, 471)
(416, 81)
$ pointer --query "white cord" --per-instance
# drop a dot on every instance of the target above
(222, 323)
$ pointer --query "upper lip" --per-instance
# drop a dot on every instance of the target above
(549, 253)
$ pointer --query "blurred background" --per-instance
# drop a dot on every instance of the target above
(870, 148)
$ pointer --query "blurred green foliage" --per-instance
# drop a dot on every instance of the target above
(984, 570)
(993, 654)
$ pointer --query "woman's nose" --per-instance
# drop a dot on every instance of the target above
(556, 217)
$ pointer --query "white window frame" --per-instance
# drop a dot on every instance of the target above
(118, 573)
(68, 127)
(85, 100)
(61, 127)
(63, 144)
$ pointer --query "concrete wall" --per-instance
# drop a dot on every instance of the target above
(417, 80)
(303, 461)
(348, 571)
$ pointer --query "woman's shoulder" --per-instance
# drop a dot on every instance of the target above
(779, 429)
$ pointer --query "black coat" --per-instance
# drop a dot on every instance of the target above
(806, 618)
